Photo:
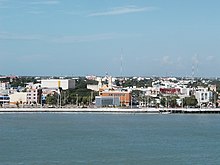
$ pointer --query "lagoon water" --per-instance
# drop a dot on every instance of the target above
(80, 138)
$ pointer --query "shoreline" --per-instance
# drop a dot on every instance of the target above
(113, 110)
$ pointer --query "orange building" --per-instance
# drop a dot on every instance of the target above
(125, 96)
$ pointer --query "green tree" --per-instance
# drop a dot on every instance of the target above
(173, 102)
(52, 99)
(80, 93)
(163, 102)
(190, 101)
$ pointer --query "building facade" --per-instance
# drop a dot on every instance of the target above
(125, 96)
(18, 97)
(203, 97)
(57, 83)
(107, 101)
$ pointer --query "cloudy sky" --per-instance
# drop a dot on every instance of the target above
(85, 37)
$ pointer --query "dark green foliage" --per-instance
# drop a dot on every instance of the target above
(80, 94)
(22, 81)
(52, 99)
(163, 102)
(190, 101)
(138, 84)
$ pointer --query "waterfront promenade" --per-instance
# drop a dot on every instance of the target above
(115, 110)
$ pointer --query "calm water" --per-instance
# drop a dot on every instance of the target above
(66, 139)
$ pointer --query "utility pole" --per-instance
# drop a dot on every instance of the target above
(60, 90)
(214, 93)
(77, 100)
(91, 97)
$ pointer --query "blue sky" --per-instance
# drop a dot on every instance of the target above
(84, 37)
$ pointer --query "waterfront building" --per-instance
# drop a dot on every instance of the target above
(4, 99)
(18, 97)
(107, 101)
(203, 97)
(124, 95)
(34, 95)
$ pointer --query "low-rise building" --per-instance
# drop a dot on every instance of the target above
(34, 93)
(203, 97)
(4, 99)
(125, 96)
(107, 101)
(18, 97)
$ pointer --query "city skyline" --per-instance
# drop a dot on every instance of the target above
(142, 38)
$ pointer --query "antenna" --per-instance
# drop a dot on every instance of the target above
(193, 72)
(121, 60)
(195, 63)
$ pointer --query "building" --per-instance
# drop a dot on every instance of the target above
(4, 99)
(4, 85)
(203, 97)
(125, 96)
(171, 91)
(34, 96)
(56, 83)
(93, 87)
(107, 101)
(20, 97)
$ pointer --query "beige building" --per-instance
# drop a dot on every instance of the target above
(56, 83)
(20, 97)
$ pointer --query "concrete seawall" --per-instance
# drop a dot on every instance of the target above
(114, 110)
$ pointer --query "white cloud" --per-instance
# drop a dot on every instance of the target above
(210, 58)
(86, 38)
(35, 12)
(92, 37)
(65, 39)
(122, 10)
(166, 60)
(12, 36)
(46, 2)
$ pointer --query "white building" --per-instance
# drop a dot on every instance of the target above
(4, 88)
(56, 83)
(20, 97)
(203, 97)
(4, 85)
(93, 87)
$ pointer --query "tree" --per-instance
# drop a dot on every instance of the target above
(173, 102)
(190, 101)
(51, 99)
(80, 94)
(163, 102)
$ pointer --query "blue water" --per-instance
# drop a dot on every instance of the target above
(66, 139)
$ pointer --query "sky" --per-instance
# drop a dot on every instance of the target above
(118, 37)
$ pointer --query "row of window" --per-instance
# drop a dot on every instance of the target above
(31, 98)
(29, 94)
